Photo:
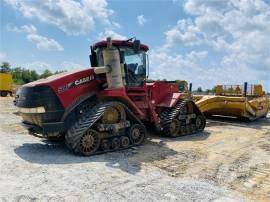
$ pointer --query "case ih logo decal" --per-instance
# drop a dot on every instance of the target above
(75, 83)
(84, 80)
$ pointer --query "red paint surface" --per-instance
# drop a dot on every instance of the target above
(143, 101)
(70, 95)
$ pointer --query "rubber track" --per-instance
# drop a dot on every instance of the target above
(88, 119)
(169, 114)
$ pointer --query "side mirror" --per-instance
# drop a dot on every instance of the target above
(93, 57)
(147, 65)
(136, 45)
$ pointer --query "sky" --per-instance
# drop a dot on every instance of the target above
(206, 42)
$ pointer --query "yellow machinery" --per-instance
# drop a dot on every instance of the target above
(5, 84)
(242, 101)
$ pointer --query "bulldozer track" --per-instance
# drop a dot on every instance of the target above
(167, 116)
(88, 120)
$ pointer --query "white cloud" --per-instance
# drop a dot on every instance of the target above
(197, 56)
(3, 57)
(71, 16)
(44, 43)
(39, 66)
(41, 42)
(23, 28)
(110, 33)
(198, 7)
(184, 32)
(182, 66)
(190, 67)
(66, 65)
(237, 31)
(141, 20)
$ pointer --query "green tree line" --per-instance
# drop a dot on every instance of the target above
(23, 75)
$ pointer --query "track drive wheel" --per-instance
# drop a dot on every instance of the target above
(200, 123)
(137, 134)
(114, 114)
(89, 142)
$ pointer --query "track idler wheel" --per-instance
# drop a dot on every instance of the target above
(125, 141)
(200, 123)
(175, 127)
(137, 134)
(89, 142)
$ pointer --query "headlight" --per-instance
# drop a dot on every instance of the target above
(35, 110)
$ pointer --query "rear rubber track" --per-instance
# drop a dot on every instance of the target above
(167, 116)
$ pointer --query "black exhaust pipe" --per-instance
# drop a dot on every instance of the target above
(245, 89)
(190, 87)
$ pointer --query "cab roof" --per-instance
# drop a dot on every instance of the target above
(119, 43)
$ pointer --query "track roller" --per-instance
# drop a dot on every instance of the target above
(116, 143)
(193, 128)
(174, 128)
(183, 131)
(105, 145)
(137, 134)
(124, 141)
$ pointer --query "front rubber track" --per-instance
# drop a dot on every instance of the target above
(87, 121)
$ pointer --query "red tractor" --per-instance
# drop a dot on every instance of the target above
(104, 108)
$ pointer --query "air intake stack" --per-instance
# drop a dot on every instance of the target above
(112, 66)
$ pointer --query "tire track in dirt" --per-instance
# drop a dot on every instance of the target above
(235, 157)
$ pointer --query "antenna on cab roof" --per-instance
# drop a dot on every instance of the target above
(131, 39)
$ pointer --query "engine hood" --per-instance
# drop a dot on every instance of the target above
(62, 76)
(67, 86)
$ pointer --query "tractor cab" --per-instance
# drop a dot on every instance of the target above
(132, 58)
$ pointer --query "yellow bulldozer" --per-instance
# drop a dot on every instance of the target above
(241, 101)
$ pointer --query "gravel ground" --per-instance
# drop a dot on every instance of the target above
(228, 162)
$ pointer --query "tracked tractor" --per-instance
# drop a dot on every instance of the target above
(105, 107)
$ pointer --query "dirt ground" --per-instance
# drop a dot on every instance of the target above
(229, 161)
